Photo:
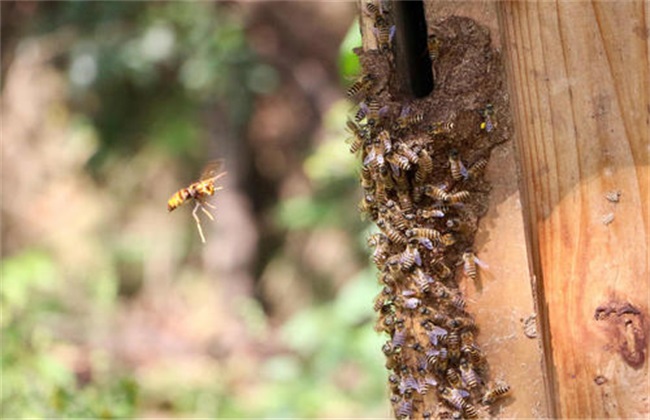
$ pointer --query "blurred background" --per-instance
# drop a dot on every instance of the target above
(111, 306)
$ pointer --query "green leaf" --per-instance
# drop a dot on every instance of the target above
(349, 65)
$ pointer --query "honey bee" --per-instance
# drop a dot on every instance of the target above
(428, 233)
(384, 34)
(458, 302)
(453, 345)
(383, 305)
(445, 414)
(457, 197)
(425, 167)
(408, 153)
(470, 411)
(399, 219)
(405, 200)
(442, 270)
(407, 118)
(360, 114)
(393, 380)
(387, 348)
(412, 303)
(375, 156)
(404, 409)
(456, 166)
(441, 291)
(475, 356)
(410, 256)
(394, 235)
(375, 11)
(384, 140)
(496, 392)
(357, 140)
(470, 261)
(380, 242)
(437, 335)
(418, 193)
(441, 127)
(448, 239)
(361, 86)
(429, 213)
(467, 338)
(436, 193)
(454, 397)
(398, 162)
(421, 280)
(477, 168)
(367, 181)
(409, 384)
(468, 374)
(437, 359)
(453, 378)
(399, 338)
(433, 45)
(386, 177)
(373, 111)
(199, 191)
(380, 191)
(368, 207)
(489, 121)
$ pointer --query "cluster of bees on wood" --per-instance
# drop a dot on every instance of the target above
(423, 187)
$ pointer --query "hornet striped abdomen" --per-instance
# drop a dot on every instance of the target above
(199, 191)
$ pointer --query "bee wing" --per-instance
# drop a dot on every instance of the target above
(437, 334)
(418, 258)
(370, 157)
(463, 170)
(481, 263)
(212, 169)
(427, 243)
(463, 393)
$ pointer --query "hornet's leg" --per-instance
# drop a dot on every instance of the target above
(201, 203)
(198, 221)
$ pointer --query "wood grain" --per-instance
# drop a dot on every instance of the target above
(579, 83)
(505, 297)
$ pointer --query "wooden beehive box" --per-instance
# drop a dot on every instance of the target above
(563, 309)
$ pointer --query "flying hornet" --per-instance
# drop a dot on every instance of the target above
(199, 191)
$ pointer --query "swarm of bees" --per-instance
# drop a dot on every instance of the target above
(199, 192)
(421, 185)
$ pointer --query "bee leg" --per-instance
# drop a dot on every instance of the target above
(198, 221)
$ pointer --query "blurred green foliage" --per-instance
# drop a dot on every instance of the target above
(140, 75)
(155, 67)
(34, 382)
(349, 64)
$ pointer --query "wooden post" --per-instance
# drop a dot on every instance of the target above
(566, 236)
(505, 306)
(579, 84)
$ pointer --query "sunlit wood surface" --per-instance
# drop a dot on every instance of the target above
(579, 83)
